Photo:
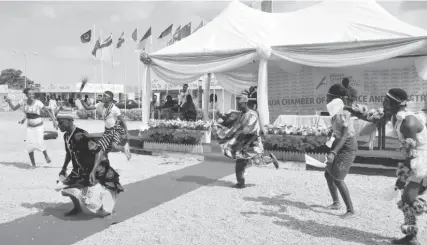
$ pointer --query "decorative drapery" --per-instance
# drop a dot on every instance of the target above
(264, 53)
(348, 54)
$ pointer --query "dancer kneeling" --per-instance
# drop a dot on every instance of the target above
(343, 149)
(412, 175)
(92, 182)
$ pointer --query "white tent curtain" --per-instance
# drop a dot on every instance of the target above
(349, 54)
(236, 81)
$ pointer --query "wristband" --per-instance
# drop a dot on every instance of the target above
(333, 152)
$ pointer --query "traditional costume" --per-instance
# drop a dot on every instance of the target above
(101, 197)
(240, 134)
(415, 170)
(114, 131)
(35, 129)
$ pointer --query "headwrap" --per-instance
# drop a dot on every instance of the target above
(65, 115)
(242, 98)
(398, 95)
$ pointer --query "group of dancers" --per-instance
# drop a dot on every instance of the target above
(242, 141)
(95, 184)
(92, 181)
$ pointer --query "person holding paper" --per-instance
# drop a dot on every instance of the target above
(343, 150)
(92, 182)
(412, 175)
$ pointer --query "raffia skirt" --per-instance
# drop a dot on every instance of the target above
(340, 167)
(35, 139)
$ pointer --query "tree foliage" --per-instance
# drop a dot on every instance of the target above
(14, 79)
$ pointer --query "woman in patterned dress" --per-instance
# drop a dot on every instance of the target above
(35, 130)
(343, 151)
(243, 140)
(92, 183)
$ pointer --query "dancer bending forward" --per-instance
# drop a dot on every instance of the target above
(343, 149)
(92, 182)
(35, 129)
(412, 175)
(115, 125)
(243, 140)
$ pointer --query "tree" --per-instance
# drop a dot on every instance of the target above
(14, 79)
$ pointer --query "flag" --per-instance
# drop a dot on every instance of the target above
(141, 44)
(86, 37)
(200, 26)
(166, 32)
(185, 31)
(176, 35)
(121, 40)
(96, 47)
(107, 42)
(135, 35)
(267, 6)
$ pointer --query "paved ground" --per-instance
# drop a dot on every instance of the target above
(138, 198)
(193, 205)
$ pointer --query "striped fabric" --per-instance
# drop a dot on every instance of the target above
(112, 135)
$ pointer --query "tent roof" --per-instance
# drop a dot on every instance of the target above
(240, 27)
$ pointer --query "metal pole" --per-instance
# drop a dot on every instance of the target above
(25, 69)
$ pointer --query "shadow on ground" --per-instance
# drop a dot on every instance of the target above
(311, 227)
(58, 210)
(24, 165)
(203, 181)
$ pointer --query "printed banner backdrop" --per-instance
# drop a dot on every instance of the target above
(291, 93)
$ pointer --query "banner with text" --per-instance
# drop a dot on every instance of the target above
(290, 93)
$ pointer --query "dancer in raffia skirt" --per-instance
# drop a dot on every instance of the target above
(92, 183)
(412, 175)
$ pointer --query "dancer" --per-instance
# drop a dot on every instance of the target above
(92, 182)
(35, 129)
(243, 140)
(115, 124)
(343, 149)
(412, 175)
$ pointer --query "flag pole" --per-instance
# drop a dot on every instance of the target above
(102, 66)
(94, 59)
(223, 99)
(124, 89)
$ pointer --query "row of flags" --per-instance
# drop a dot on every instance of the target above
(179, 34)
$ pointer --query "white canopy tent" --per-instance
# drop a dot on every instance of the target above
(239, 42)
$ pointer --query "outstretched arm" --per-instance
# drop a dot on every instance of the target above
(87, 107)
(66, 162)
(13, 107)
(51, 115)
